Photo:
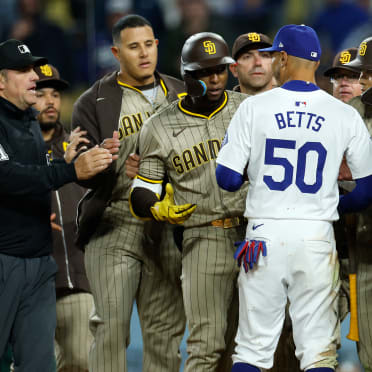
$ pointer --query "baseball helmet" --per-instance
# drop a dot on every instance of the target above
(363, 60)
(203, 50)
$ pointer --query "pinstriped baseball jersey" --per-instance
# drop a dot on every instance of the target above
(135, 109)
(185, 145)
(120, 271)
(364, 261)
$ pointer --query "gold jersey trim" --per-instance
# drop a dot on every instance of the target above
(223, 104)
(149, 180)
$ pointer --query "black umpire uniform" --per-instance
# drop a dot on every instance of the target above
(27, 271)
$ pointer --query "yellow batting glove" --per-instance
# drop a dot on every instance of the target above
(166, 210)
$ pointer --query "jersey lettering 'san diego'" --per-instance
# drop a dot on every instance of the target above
(185, 146)
(293, 143)
(196, 156)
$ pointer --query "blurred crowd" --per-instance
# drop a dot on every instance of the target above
(75, 35)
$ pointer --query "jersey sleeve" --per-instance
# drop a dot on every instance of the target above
(18, 179)
(235, 150)
(359, 150)
(152, 167)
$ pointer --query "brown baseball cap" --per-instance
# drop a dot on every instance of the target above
(363, 60)
(251, 40)
(15, 55)
(341, 60)
(49, 78)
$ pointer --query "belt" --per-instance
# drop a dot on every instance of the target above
(228, 223)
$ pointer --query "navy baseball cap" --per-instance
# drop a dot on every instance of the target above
(15, 55)
(298, 41)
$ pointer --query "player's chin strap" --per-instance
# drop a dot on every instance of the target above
(194, 88)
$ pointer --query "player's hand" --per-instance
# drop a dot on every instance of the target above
(112, 144)
(91, 162)
(248, 252)
(76, 138)
(344, 172)
(54, 225)
(166, 210)
(132, 165)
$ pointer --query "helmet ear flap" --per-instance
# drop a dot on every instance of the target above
(194, 87)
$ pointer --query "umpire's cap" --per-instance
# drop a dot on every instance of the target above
(203, 50)
(15, 55)
(340, 62)
(49, 78)
(251, 40)
(363, 60)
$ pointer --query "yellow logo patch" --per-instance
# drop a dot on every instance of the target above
(46, 70)
(345, 57)
(209, 47)
(64, 144)
(254, 37)
(363, 49)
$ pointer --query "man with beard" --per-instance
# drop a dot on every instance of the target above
(74, 302)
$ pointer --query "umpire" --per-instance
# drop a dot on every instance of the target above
(27, 271)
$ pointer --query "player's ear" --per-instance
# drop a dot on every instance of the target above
(283, 58)
(115, 52)
(232, 68)
(157, 41)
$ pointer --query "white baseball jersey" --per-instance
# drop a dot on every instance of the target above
(293, 139)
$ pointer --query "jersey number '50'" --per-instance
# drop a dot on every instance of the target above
(271, 159)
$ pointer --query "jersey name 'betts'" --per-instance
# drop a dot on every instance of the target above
(185, 145)
(299, 174)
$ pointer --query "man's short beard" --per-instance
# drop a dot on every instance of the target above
(47, 126)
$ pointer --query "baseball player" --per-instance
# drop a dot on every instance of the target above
(292, 140)
(122, 266)
(183, 141)
(252, 68)
(344, 79)
(253, 71)
(74, 302)
(363, 62)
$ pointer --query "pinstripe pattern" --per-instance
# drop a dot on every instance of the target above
(186, 146)
(73, 337)
(209, 275)
(364, 269)
(120, 271)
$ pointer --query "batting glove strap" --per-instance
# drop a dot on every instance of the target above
(167, 210)
(248, 252)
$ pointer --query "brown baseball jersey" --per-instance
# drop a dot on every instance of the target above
(119, 268)
(184, 145)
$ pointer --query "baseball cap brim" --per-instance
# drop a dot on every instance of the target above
(333, 70)
(52, 83)
(271, 49)
(24, 62)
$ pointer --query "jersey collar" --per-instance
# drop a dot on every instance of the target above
(218, 109)
(300, 86)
